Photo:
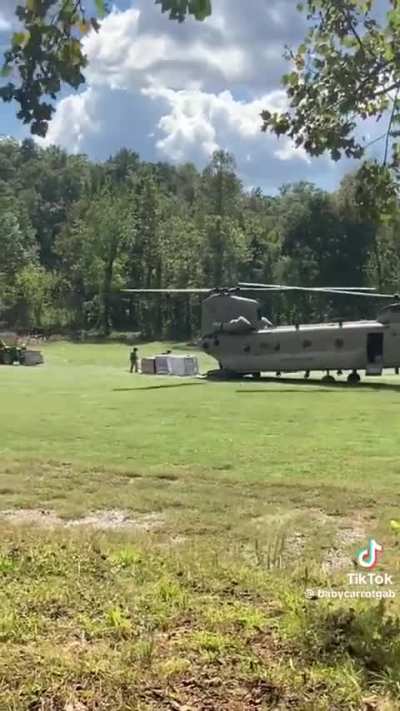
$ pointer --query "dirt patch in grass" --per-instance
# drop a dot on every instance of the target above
(32, 517)
(102, 520)
(350, 531)
(213, 693)
(296, 543)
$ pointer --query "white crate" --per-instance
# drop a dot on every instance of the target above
(162, 365)
(183, 365)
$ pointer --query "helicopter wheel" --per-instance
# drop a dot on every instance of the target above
(328, 378)
(353, 378)
(223, 375)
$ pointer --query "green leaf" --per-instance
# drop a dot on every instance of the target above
(395, 526)
(201, 9)
(33, 5)
(101, 8)
(5, 71)
(19, 39)
(84, 27)
(179, 9)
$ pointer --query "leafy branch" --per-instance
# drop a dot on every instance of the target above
(345, 71)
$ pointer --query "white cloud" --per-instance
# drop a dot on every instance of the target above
(178, 92)
(7, 15)
(76, 117)
(5, 25)
(199, 123)
(121, 55)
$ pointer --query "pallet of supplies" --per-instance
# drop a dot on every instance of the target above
(162, 365)
(184, 366)
(149, 366)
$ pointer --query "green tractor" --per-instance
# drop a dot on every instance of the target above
(10, 354)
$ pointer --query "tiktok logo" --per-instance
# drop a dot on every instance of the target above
(368, 557)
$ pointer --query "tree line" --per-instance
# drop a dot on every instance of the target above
(74, 233)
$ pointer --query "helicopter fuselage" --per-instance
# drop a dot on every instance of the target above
(244, 342)
(353, 345)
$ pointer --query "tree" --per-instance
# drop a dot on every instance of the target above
(17, 242)
(74, 233)
(47, 51)
(362, 233)
(221, 196)
(347, 69)
(100, 240)
(323, 242)
(33, 289)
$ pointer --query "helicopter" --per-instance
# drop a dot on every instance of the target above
(245, 343)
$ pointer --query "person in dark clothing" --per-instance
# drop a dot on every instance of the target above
(134, 358)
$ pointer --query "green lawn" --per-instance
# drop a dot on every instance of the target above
(237, 496)
(84, 407)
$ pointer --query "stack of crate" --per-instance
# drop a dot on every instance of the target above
(181, 365)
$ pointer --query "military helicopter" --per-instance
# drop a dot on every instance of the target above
(244, 343)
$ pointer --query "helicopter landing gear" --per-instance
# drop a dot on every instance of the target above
(328, 378)
(353, 378)
(306, 375)
(223, 375)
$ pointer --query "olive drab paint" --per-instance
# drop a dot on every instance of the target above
(258, 346)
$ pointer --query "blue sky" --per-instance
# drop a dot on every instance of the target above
(177, 92)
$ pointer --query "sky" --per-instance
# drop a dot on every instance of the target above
(177, 92)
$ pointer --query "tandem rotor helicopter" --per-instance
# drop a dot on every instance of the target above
(243, 342)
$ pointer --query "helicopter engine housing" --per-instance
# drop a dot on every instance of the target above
(222, 309)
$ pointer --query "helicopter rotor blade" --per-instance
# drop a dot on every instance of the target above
(369, 292)
(166, 291)
(338, 292)
(282, 287)
(351, 291)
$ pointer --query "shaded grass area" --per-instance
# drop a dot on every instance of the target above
(257, 492)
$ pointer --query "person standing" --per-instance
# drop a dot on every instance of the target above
(134, 358)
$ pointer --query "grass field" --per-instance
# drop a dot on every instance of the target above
(158, 536)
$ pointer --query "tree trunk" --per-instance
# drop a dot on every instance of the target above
(106, 310)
